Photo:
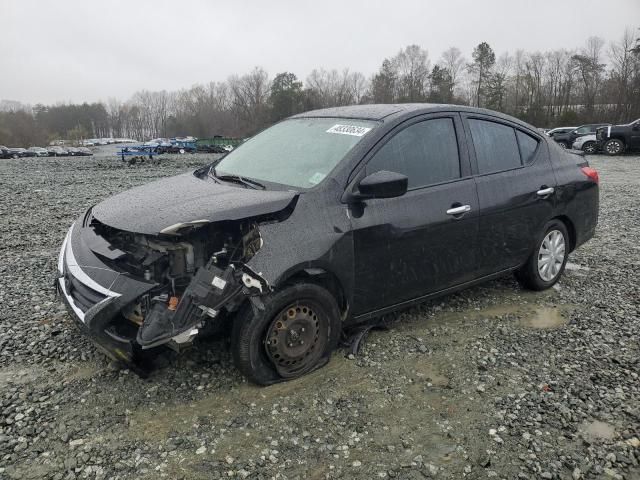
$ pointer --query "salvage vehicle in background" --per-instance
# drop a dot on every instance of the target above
(84, 151)
(20, 153)
(558, 130)
(327, 219)
(39, 151)
(586, 143)
(566, 139)
(616, 139)
(4, 152)
(57, 151)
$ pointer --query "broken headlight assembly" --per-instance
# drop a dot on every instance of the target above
(196, 275)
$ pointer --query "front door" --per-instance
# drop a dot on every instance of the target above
(423, 241)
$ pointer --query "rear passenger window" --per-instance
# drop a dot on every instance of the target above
(495, 145)
(528, 146)
(426, 152)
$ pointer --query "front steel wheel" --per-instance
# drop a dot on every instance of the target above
(296, 339)
(292, 333)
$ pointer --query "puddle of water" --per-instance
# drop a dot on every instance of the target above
(597, 430)
(546, 317)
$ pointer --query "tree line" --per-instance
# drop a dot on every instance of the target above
(596, 82)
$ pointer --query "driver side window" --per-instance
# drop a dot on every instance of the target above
(426, 152)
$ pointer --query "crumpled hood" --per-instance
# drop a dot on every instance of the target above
(154, 207)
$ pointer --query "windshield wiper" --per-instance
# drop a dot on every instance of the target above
(248, 182)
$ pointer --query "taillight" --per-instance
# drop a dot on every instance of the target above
(592, 173)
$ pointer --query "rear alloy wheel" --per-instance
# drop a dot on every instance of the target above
(292, 335)
(613, 147)
(562, 144)
(551, 255)
(546, 264)
(589, 147)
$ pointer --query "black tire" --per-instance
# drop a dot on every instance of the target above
(613, 147)
(528, 275)
(255, 328)
(589, 147)
(562, 144)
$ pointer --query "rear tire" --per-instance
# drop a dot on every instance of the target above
(552, 250)
(292, 335)
(613, 147)
(589, 147)
(562, 144)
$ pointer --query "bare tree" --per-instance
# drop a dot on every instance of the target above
(625, 67)
(453, 62)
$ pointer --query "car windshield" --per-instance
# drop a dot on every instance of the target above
(298, 152)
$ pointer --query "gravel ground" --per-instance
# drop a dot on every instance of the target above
(491, 382)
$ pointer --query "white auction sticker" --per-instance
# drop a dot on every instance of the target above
(219, 283)
(349, 130)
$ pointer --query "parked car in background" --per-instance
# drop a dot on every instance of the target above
(559, 130)
(20, 152)
(84, 151)
(57, 151)
(327, 219)
(615, 139)
(4, 152)
(210, 149)
(566, 139)
(72, 151)
(586, 143)
(39, 151)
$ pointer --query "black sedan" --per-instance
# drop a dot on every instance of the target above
(21, 153)
(325, 220)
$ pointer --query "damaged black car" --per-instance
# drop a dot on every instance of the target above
(326, 220)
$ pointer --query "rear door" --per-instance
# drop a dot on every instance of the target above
(516, 190)
(423, 241)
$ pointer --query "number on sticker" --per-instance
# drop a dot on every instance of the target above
(349, 130)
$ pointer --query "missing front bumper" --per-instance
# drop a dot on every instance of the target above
(98, 310)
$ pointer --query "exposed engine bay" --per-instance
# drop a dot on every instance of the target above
(198, 270)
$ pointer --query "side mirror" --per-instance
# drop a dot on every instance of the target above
(382, 184)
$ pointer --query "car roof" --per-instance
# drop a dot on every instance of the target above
(382, 112)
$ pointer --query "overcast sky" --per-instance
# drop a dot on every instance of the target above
(82, 50)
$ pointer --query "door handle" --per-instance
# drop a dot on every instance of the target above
(459, 210)
(545, 191)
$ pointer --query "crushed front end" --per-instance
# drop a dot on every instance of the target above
(132, 292)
